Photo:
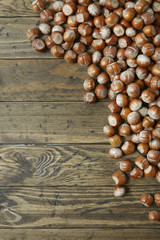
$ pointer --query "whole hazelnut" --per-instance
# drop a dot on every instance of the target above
(146, 199)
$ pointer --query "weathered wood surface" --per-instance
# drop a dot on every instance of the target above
(17, 8)
(47, 122)
(41, 80)
(72, 207)
(70, 165)
(13, 41)
(80, 234)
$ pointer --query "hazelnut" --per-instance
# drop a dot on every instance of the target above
(38, 5)
(89, 84)
(69, 8)
(104, 32)
(82, 17)
(119, 191)
(154, 112)
(114, 119)
(84, 29)
(146, 199)
(57, 51)
(156, 69)
(117, 86)
(84, 59)
(124, 130)
(148, 122)
(141, 6)
(135, 138)
(38, 45)
(93, 70)
(98, 44)
(143, 148)
(156, 133)
(135, 104)
(70, 56)
(59, 18)
(137, 127)
(101, 91)
(96, 58)
(122, 100)
(154, 216)
(108, 130)
(133, 90)
(119, 178)
(133, 118)
(124, 112)
(153, 156)
(128, 147)
(33, 33)
(127, 76)
(112, 19)
(45, 28)
(154, 144)
(148, 49)
(145, 136)
(110, 51)
(94, 9)
(115, 153)
(136, 173)
(143, 61)
(89, 97)
(141, 162)
(150, 172)
(115, 140)
(57, 6)
(138, 23)
(158, 176)
(47, 15)
(157, 199)
(102, 78)
(125, 166)
(113, 107)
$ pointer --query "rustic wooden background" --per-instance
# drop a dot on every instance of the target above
(55, 172)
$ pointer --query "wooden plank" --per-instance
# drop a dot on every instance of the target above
(79, 234)
(52, 122)
(16, 8)
(73, 207)
(13, 41)
(27, 80)
(70, 165)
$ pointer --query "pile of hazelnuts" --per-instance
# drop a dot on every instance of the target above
(119, 41)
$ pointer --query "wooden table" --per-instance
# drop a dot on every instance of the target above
(55, 171)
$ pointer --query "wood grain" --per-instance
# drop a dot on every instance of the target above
(73, 207)
(80, 234)
(26, 80)
(52, 122)
(16, 8)
(13, 41)
(69, 165)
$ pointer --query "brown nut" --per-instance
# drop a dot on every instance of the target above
(119, 178)
(146, 199)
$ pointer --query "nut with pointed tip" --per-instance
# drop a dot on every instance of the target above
(146, 199)
(154, 216)
(119, 191)
(136, 173)
(157, 199)
(141, 162)
(150, 172)
(119, 178)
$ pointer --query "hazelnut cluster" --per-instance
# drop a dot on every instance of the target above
(119, 42)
